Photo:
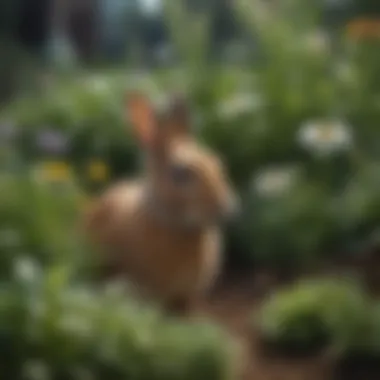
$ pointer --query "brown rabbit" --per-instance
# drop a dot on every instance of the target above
(161, 231)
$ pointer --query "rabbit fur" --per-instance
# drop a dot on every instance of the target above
(162, 231)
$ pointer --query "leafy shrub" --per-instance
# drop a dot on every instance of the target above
(288, 219)
(53, 329)
(309, 76)
(313, 314)
(39, 219)
(86, 118)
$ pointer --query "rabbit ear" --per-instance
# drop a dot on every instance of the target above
(141, 114)
(178, 118)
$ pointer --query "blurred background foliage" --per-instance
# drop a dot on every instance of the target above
(296, 124)
(287, 92)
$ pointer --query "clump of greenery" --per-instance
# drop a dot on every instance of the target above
(52, 329)
(41, 219)
(315, 314)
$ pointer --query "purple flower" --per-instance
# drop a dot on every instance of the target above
(52, 142)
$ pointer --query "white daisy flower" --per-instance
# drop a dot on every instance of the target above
(275, 181)
(26, 270)
(79, 298)
(239, 104)
(317, 42)
(325, 137)
(99, 84)
(75, 324)
(346, 73)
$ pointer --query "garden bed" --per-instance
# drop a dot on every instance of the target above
(232, 304)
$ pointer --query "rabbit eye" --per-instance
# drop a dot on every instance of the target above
(181, 175)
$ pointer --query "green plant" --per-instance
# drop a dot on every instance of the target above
(309, 80)
(39, 219)
(313, 314)
(288, 218)
(65, 330)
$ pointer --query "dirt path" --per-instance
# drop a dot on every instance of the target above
(233, 305)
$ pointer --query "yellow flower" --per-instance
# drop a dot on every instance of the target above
(98, 171)
(56, 171)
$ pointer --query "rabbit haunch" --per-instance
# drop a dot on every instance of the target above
(166, 263)
(161, 231)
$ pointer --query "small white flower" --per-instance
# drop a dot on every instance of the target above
(76, 324)
(98, 84)
(316, 42)
(26, 270)
(79, 298)
(325, 137)
(345, 73)
(275, 181)
(239, 104)
(138, 75)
